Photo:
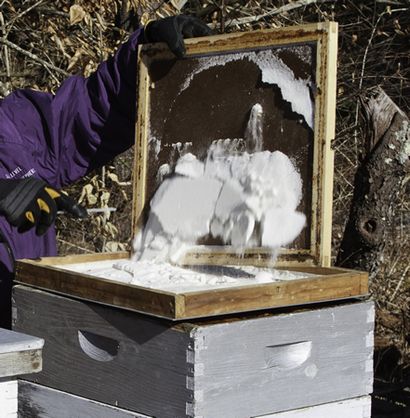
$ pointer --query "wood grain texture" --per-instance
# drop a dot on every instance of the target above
(81, 258)
(325, 123)
(283, 362)
(147, 370)
(220, 368)
(19, 353)
(350, 408)
(141, 144)
(378, 182)
(257, 39)
(36, 401)
(95, 289)
(272, 295)
(11, 342)
(329, 284)
(21, 362)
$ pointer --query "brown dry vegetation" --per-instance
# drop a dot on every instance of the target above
(43, 41)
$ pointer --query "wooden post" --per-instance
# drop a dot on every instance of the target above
(377, 185)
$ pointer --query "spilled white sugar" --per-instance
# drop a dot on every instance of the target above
(295, 91)
(245, 199)
(164, 276)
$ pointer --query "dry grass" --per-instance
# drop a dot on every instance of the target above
(374, 50)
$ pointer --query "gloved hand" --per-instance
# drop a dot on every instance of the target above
(173, 30)
(31, 202)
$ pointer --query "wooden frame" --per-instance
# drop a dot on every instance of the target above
(328, 284)
(324, 35)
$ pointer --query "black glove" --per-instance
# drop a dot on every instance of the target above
(32, 202)
(173, 30)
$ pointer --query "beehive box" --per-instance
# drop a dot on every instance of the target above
(229, 367)
(52, 403)
(106, 340)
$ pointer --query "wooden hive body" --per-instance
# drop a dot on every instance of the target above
(52, 403)
(227, 368)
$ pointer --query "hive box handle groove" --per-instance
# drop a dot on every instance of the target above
(98, 347)
(287, 356)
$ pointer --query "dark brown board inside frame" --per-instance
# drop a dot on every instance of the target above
(217, 105)
(184, 105)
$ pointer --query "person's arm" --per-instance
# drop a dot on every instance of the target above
(89, 120)
(85, 124)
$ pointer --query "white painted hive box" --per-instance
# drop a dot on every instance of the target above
(235, 367)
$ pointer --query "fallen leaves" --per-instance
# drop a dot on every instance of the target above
(77, 14)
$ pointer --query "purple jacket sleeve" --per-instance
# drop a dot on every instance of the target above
(61, 137)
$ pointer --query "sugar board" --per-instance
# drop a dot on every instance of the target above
(312, 285)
